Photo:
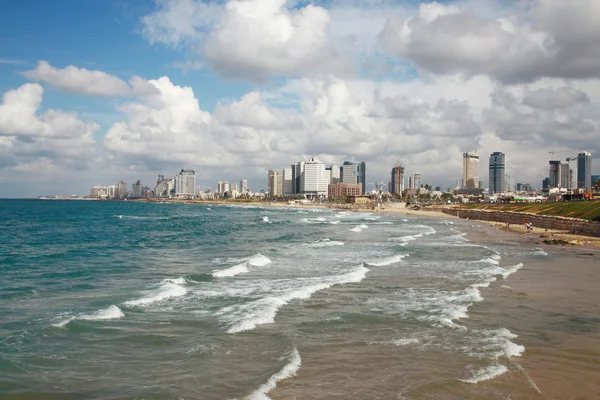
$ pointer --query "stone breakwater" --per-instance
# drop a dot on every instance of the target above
(571, 225)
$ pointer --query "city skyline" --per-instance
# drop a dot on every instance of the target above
(154, 86)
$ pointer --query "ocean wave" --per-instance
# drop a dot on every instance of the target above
(266, 219)
(406, 238)
(257, 260)
(359, 228)
(325, 243)
(168, 288)
(537, 252)
(388, 260)
(247, 316)
(511, 270)
(289, 370)
(495, 345)
(112, 312)
(232, 271)
(141, 218)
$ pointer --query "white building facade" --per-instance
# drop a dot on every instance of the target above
(185, 183)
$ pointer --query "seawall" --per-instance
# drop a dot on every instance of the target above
(572, 225)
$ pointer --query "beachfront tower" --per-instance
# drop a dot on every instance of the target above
(497, 173)
(275, 183)
(397, 182)
(554, 174)
(584, 171)
(185, 183)
(354, 173)
(470, 170)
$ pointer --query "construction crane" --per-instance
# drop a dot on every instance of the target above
(558, 151)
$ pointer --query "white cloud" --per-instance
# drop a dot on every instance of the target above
(83, 81)
(180, 22)
(260, 37)
(28, 138)
(527, 44)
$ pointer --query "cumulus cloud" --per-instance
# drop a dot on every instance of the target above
(527, 44)
(260, 37)
(180, 22)
(165, 128)
(73, 79)
(550, 99)
(28, 138)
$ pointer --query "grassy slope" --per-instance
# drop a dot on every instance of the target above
(589, 210)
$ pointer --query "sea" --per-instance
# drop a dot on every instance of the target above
(136, 300)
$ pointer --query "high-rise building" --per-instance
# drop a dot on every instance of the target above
(546, 183)
(243, 186)
(554, 174)
(565, 175)
(414, 180)
(470, 170)
(584, 171)
(594, 179)
(497, 173)
(354, 173)
(314, 180)
(288, 182)
(136, 190)
(397, 182)
(275, 183)
(297, 172)
(185, 183)
(122, 190)
(335, 173)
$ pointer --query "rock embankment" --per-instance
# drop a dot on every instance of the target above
(568, 225)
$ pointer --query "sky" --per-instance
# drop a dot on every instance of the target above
(99, 91)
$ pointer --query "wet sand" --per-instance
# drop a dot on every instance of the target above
(554, 308)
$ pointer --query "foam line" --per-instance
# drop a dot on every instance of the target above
(289, 370)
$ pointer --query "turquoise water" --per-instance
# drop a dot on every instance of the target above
(109, 300)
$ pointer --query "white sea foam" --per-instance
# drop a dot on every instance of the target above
(388, 260)
(487, 373)
(266, 219)
(363, 226)
(231, 271)
(208, 209)
(511, 270)
(247, 316)
(496, 344)
(168, 288)
(356, 229)
(289, 370)
(334, 222)
(406, 238)
(371, 218)
(405, 341)
(258, 260)
(538, 252)
(112, 312)
(325, 243)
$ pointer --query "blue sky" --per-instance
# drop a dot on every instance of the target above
(373, 80)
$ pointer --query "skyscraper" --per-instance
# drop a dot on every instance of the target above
(497, 173)
(397, 182)
(275, 183)
(354, 173)
(414, 181)
(288, 182)
(554, 174)
(185, 183)
(314, 180)
(243, 185)
(565, 175)
(584, 171)
(470, 170)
